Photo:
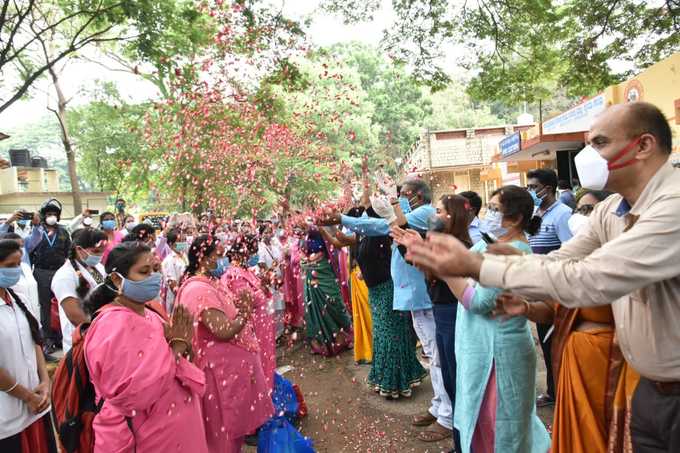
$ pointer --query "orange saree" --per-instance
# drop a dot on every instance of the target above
(594, 385)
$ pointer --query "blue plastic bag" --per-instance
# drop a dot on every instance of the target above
(285, 399)
(279, 436)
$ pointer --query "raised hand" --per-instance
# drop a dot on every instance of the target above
(445, 256)
(244, 304)
(405, 237)
(182, 324)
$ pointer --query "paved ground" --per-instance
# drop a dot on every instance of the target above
(345, 416)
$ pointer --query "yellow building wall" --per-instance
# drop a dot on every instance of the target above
(660, 85)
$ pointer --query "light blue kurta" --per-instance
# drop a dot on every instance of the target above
(482, 341)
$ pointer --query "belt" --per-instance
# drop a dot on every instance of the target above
(667, 388)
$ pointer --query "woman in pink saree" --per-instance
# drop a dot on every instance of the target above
(138, 366)
(236, 401)
(293, 281)
(238, 279)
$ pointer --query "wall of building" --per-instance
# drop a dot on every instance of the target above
(658, 84)
(31, 201)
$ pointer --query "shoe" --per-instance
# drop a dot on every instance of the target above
(545, 400)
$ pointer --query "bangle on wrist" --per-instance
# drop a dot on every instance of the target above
(527, 307)
(181, 340)
(16, 383)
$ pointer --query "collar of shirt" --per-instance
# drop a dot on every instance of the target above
(475, 222)
(648, 193)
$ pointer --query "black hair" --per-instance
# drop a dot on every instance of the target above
(600, 195)
(545, 176)
(204, 245)
(172, 236)
(355, 211)
(141, 232)
(12, 236)
(86, 238)
(646, 118)
(9, 247)
(242, 248)
(105, 214)
(517, 203)
(120, 260)
(420, 187)
(474, 199)
(563, 184)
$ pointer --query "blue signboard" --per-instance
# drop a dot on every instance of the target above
(510, 145)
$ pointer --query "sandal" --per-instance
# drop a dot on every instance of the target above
(423, 420)
(435, 433)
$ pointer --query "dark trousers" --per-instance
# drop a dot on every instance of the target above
(445, 336)
(655, 420)
(44, 278)
(547, 356)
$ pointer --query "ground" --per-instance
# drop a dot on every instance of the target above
(345, 416)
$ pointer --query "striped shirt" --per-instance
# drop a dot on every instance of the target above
(554, 229)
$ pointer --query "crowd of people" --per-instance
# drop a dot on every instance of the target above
(178, 326)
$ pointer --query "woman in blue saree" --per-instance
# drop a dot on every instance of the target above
(496, 358)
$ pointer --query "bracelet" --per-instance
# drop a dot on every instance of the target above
(181, 340)
(528, 309)
(16, 383)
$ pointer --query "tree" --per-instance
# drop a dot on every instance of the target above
(112, 152)
(523, 50)
(399, 104)
(452, 108)
(24, 26)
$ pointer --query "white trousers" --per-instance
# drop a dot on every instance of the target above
(423, 323)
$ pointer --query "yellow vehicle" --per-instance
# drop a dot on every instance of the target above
(155, 218)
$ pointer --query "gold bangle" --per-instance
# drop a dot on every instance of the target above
(16, 383)
(181, 340)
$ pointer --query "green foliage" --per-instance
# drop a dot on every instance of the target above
(452, 108)
(107, 133)
(526, 49)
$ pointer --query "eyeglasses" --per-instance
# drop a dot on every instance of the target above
(585, 209)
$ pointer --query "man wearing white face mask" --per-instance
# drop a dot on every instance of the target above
(48, 246)
(542, 184)
(628, 255)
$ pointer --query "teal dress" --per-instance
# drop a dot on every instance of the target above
(481, 343)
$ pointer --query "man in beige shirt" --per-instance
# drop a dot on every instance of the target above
(628, 256)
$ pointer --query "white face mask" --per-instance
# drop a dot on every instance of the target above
(577, 222)
(593, 169)
(51, 220)
(87, 221)
(130, 226)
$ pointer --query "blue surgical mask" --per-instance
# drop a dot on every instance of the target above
(405, 205)
(222, 266)
(181, 246)
(93, 260)
(142, 291)
(109, 225)
(534, 196)
(493, 224)
(22, 223)
(9, 276)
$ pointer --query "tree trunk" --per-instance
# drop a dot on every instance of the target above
(68, 145)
